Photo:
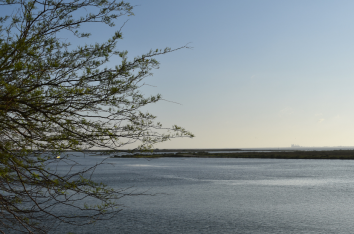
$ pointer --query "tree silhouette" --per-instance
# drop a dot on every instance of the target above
(55, 98)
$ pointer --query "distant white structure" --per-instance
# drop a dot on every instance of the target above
(295, 146)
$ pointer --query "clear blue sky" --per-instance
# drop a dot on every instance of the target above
(260, 74)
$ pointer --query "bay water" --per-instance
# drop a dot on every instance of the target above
(226, 195)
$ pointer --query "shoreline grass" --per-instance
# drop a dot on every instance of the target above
(331, 154)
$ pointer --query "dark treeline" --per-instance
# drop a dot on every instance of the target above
(333, 154)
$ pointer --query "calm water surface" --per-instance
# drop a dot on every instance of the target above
(208, 195)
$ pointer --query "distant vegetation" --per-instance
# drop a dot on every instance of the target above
(333, 154)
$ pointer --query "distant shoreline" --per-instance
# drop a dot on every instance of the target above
(330, 154)
(281, 149)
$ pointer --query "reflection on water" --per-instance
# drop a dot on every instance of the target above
(228, 196)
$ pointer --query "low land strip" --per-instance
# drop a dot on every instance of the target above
(333, 154)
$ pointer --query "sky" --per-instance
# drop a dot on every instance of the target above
(260, 73)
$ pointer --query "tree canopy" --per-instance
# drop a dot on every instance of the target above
(55, 97)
